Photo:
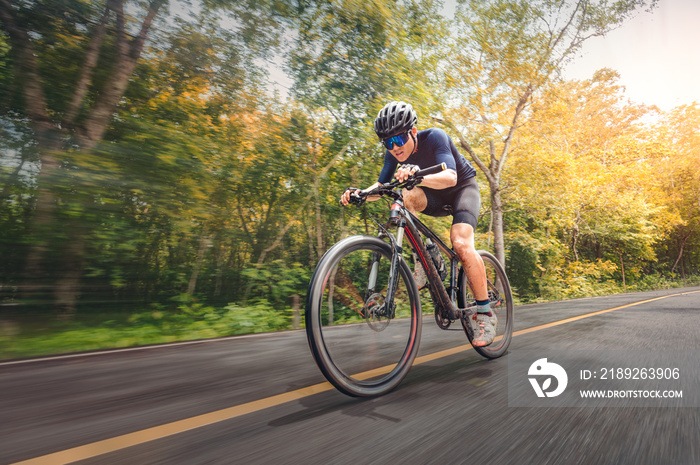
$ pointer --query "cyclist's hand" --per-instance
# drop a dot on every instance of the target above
(345, 198)
(405, 171)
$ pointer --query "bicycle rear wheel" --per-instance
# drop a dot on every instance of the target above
(362, 348)
(501, 299)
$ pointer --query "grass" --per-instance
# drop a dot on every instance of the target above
(45, 335)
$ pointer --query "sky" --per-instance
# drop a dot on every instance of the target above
(656, 55)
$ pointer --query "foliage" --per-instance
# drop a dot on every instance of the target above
(277, 282)
(584, 175)
(350, 55)
(679, 187)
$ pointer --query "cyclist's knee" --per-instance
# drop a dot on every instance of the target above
(415, 199)
(462, 236)
(463, 247)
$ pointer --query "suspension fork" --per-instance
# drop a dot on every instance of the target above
(397, 250)
(394, 270)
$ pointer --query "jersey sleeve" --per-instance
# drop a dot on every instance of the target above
(390, 164)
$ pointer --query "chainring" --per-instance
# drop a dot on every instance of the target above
(441, 321)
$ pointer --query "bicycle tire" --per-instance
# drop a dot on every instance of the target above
(359, 352)
(502, 305)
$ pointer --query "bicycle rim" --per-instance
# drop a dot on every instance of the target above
(501, 299)
(361, 348)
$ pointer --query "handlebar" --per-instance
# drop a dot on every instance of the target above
(388, 188)
(430, 170)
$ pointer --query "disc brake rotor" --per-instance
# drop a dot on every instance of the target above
(495, 298)
(375, 312)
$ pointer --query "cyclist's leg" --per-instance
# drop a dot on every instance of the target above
(465, 214)
(484, 322)
(465, 210)
(415, 200)
(462, 236)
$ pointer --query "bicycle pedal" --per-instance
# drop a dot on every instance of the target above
(468, 312)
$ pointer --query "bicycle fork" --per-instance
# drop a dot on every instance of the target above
(388, 308)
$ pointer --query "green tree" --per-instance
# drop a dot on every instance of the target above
(71, 68)
(67, 114)
(351, 56)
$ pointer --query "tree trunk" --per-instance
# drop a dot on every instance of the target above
(204, 242)
(497, 215)
(36, 282)
(683, 270)
(490, 235)
(622, 266)
(680, 253)
(67, 286)
(220, 263)
(575, 231)
(296, 313)
(129, 53)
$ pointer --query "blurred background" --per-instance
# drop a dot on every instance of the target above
(171, 170)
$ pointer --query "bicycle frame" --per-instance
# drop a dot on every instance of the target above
(409, 225)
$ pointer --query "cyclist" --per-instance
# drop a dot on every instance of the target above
(453, 191)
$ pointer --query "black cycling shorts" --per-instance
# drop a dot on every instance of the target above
(463, 203)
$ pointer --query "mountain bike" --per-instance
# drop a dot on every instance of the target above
(363, 306)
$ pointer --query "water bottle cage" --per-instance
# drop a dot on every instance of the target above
(441, 268)
(438, 261)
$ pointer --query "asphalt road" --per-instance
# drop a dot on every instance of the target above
(261, 400)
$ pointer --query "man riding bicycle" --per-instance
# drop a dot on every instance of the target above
(453, 191)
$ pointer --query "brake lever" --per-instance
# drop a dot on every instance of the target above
(357, 199)
(412, 182)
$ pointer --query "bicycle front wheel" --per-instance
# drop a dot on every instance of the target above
(362, 346)
(501, 300)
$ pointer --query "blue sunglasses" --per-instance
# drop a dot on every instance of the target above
(399, 140)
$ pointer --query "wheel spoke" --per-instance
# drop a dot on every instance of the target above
(362, 347)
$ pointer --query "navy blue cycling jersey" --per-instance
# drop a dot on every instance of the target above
(434, 147)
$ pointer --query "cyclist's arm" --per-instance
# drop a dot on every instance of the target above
(441, 180)
(373, 197)
(385, 176)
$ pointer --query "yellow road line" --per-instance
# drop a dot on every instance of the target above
(168, 429)
(158, 432)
